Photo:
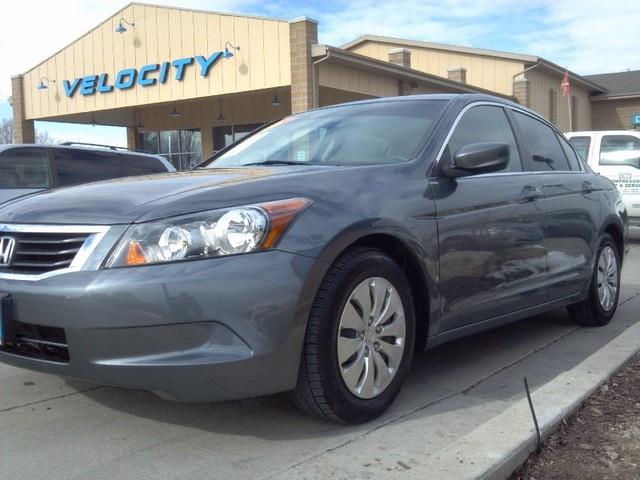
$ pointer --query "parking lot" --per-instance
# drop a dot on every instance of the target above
(51, 427)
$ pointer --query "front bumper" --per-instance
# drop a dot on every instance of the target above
(202, 330)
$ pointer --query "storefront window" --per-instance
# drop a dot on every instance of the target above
(225, 136)
(183, 148)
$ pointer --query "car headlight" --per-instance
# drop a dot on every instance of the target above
(209, 234)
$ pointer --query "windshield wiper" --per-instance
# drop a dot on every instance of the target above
(276, 162)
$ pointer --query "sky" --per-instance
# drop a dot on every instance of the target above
(585, 36)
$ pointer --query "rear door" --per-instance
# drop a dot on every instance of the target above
(571, 203)
(490, 228)
(618, 158)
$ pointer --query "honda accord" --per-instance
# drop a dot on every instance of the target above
(314, 256)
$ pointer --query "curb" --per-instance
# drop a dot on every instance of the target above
(497, 448)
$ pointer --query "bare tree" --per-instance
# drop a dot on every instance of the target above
(44, 138)
(6, 131)
(6, 134)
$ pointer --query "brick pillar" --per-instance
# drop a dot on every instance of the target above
(400, 56)
(522, 92)
(303, 32)
(133, 138)
(457, 74)
(23, 130)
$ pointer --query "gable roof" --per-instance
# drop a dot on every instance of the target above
(526, 59)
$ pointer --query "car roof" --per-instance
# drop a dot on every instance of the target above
(74, 148)
(461, 99)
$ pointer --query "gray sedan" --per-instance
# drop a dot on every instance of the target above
(314, 256)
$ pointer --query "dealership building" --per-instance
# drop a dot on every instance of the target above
(186, 83)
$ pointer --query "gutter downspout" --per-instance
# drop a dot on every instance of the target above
(513, 78)
(314, 80)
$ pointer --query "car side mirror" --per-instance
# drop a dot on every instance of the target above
(478, 158)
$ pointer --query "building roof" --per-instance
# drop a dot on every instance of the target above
(341, 56)
(619, 84)
(526, 59)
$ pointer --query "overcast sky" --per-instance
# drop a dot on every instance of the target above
(586, 36)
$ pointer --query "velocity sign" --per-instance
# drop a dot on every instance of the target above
(146, 76)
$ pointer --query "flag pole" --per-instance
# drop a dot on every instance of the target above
(570, 114)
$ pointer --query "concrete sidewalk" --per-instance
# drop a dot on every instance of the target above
(71, 430)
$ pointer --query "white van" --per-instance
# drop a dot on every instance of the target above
(614, 154)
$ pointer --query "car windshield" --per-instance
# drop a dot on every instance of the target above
(360, 134)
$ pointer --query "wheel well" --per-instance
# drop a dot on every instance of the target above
(407, 261)
(616, 233)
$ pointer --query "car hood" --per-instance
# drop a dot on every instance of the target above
(151, 197)
(13, 193)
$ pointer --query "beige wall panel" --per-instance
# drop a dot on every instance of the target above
(150, 46)
(482, 71)
(242, 57)
(256, 62)
(164, 34)
(541, 81)
(201, 44)
(164, 51)
(215, 43)
(331, 96)
(343, 78)
(229, 67)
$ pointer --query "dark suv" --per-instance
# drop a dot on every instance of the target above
(26, 169)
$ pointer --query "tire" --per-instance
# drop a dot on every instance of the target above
(322, 389)
(591, 312)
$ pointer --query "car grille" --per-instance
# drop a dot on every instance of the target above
(37, 253)
(40, 342)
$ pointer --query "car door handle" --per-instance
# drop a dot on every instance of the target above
(587, 187)
(531, 193)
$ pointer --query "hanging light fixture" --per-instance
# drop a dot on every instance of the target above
(121, 28)
(228, 53)
(174, 113)
(221, 117)
(42, 85)
(276, 101)
(93, 119)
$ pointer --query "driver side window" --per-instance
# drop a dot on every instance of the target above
(485, 124)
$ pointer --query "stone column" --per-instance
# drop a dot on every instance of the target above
(23, 130)
(522, 92)
(400, 56)
(457, 74)
(303, 32)
(133, 138)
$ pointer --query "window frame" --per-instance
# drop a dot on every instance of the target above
(602, 138)
(555, 132)
(589, 146)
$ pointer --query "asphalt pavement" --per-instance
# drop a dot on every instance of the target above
(56, 428)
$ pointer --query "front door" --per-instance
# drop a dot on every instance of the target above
(491, 230)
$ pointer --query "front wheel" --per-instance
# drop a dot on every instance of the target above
(598, 309)
(359, 339)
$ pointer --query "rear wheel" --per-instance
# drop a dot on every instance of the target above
(598, 309)
(359, 339)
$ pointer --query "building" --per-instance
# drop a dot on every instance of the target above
(619, 107)
(186, 83)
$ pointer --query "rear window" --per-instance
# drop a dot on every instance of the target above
(73, 167)
(620, 150)
(26, 168)
(582, 146)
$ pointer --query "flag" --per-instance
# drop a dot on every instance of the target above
(565, 86)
